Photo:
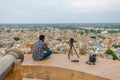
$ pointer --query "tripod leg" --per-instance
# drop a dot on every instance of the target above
(76, 52)
(69, 52)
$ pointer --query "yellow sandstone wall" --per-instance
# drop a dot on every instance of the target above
(15, 73)
(55, 73)
(47, 73)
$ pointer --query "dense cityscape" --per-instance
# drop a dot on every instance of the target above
(98, 37)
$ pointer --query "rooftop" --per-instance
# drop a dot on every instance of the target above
(104, 67)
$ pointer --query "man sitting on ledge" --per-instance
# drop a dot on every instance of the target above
(39, 48)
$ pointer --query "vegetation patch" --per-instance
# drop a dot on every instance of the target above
(102, 37)
(110, 52)
(16, 38)
(93, 37)
(116, 46)
(55, 52)
(58, 39)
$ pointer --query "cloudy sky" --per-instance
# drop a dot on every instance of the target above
(59, 11)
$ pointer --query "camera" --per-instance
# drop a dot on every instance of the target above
(71, 41)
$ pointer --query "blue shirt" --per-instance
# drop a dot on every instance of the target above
(38, 50)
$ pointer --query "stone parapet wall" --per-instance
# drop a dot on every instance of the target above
(56, 73)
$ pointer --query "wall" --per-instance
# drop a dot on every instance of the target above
(55, 73)
(15, 73)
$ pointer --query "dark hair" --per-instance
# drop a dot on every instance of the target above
(41, 37)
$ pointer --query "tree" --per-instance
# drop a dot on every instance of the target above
(93, 37)
(110, 52)
(102, 37)
(116, 46)
(81, 33)
(16, 38)
(58, 39)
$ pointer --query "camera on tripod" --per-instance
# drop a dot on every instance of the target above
(71, 41)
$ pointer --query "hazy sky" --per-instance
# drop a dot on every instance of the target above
(59, 11)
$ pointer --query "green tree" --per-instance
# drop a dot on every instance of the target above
(93, 37)
(102, 37)
(116, 46)
(81, 33)
(58, 39)
(110, 52)
(16, 38)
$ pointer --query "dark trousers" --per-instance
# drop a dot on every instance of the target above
(48, 53)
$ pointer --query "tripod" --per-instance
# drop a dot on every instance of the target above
(72, 47)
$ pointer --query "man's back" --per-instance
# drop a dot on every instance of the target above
(38, 50)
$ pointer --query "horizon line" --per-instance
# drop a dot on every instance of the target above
(69, 23)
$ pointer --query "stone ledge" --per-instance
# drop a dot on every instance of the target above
(58, 65)
(31, 79)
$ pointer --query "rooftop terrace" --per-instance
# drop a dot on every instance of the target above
(58, 67)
